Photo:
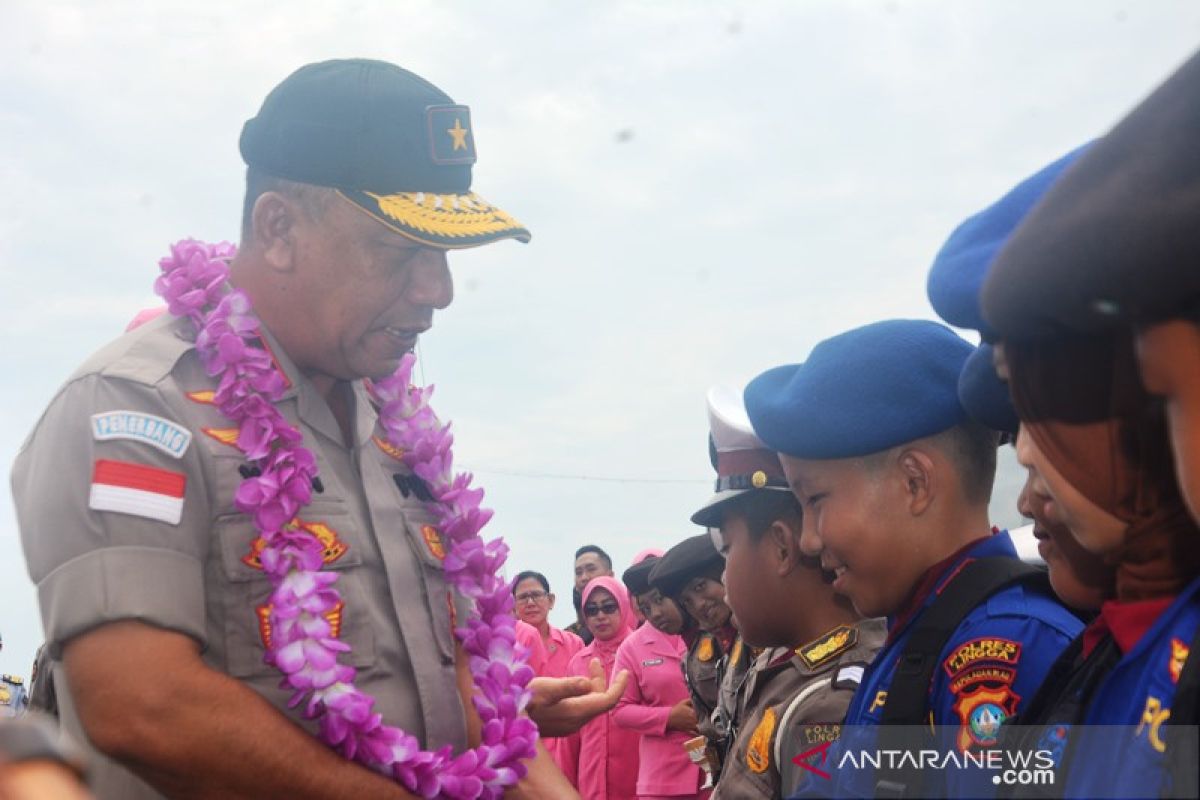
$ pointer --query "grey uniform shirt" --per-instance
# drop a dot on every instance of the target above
(13, 697)
(124, 497)
(791, 701)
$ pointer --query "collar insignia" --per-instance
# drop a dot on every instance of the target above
(1179, 654)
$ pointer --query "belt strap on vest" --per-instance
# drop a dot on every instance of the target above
(908, 694)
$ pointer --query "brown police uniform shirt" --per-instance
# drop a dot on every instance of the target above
(139, 415)
(733, 671)
(793, 700)
(700, 671)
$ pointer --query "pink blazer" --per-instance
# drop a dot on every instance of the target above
(654, 660)
(558, 649)
(605, 755)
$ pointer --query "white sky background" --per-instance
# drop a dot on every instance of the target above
(712, 187)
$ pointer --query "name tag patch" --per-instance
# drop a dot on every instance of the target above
(652, 662)
(159, 433)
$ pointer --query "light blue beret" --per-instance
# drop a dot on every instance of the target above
(862, 391)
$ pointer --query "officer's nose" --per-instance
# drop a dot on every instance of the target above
(810, 541)
(430, 283)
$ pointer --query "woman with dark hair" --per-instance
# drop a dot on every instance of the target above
(1098, 452)
(551, 648)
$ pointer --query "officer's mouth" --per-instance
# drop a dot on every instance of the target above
(404, 337)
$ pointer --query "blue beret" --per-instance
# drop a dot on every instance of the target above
(862, 391)
(984, 396)
(960, 267)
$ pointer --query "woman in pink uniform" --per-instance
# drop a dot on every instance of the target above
(606, 755)
(533, 603)
(656, 703)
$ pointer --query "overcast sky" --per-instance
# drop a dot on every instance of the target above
(712, 188)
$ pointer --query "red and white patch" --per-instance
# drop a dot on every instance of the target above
(137, 489)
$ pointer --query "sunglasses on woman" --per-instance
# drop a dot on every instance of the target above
(607, 608)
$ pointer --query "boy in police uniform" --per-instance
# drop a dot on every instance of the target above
(895, 481)
(690, 573)
(816, 644)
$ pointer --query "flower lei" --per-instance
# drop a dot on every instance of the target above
(194, 282)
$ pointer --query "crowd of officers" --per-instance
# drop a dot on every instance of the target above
(850, 589)
(849, 585)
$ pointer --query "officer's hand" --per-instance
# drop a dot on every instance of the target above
(682, 717)
(561, 706)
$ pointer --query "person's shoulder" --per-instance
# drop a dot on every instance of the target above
(1022, 605)
(570, 640)
(579, 662)
(145, 355)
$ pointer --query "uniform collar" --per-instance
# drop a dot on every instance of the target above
(311, 406)
(726, 637)
(936, 577)
(1128, 623)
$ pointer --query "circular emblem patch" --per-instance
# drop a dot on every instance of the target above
(985, 723)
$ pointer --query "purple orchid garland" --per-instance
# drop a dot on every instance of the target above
(194, 282)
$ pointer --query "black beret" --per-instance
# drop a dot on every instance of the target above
(637, 577)
(694, 557)
(1117, 238)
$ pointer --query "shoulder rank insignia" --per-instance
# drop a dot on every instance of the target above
(704, 650)
(1179, 655)
(758, 751)
(15, 680)
(832, 644)
(849, 677)
(5, 696)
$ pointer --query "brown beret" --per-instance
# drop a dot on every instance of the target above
(1117, 238)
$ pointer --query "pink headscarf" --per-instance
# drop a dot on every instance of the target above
(649, 552)
(144, 316)
(607, 651)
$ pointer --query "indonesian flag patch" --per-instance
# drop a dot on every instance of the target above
(137, 489)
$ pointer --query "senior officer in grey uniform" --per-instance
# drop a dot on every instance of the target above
(154, 608)
(13, 697)
(812, 645)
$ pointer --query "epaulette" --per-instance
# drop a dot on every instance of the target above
(829, 646)
(13, 679)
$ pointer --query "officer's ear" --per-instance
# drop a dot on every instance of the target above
(784, 545)
(273, 222)
(550, 597)
(917, 471)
